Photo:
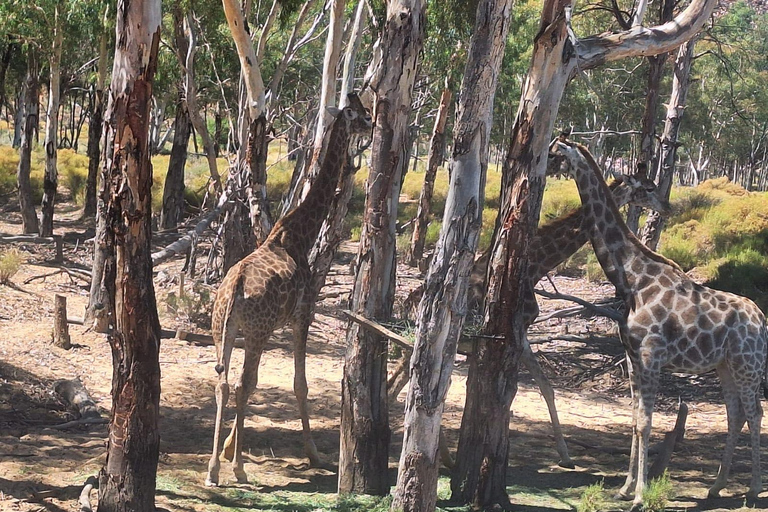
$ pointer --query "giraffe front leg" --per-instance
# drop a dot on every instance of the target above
(647, 397)
(754, 413)
(625, 493)
(528, 359)
(300, 388)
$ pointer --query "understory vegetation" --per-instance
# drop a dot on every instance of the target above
(718, 230)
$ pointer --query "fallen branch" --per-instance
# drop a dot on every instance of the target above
(71, 272)
(183, 244)
(34, 239)
(85, 495)
(598, 310)
(77, 423)
(379, 329)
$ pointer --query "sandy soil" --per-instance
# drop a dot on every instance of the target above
(43, 468)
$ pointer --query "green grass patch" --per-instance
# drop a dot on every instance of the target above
(657, 494)
(592, 498)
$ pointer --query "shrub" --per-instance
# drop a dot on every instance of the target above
(657, 494)
(73, 169)
(592, 499)
(11, 261)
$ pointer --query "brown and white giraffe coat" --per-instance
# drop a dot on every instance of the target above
(266, 290)
(675, 324)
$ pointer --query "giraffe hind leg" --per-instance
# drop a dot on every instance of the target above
(246, 384)
(222, 397)
(736, 419)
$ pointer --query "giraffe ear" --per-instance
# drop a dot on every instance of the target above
(334, 111)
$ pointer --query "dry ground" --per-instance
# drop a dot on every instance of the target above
(42, 468)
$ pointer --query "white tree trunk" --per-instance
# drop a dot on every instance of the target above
(443, 306)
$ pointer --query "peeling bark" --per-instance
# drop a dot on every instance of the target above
(127, 480)
(29, 223)
(443, 306)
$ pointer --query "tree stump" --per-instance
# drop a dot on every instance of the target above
(60, 329)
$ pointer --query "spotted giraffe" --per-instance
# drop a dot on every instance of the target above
(554, 243)
(673, 323)
(267, 289)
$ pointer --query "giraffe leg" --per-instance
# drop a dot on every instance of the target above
(736, 418)
(625, 492)
(222, 396)
(300, 331)
(646, 394)
(528, 359)
(233, 446)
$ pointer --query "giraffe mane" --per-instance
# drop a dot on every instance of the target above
(615, 209)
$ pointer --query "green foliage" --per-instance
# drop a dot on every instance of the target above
(11, 261)
(193, 306)
(592, 499)
(73, 168)
(9, 162)
(657, 494)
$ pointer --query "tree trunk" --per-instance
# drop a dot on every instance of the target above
(256, 158)
(443, 306)
(365, 417)
(51, 180)
(675, 109)
(127, 480)
(648, 155)
(173, 192)
(95, 127)
(5, 62)
(434, 160)
(29, 222)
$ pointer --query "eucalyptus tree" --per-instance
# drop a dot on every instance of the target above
(444, 303)
(365, 416)
(127, 479)
(558, 56)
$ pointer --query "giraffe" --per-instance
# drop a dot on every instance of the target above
(554, 243)
(267, 289)
(673, 323)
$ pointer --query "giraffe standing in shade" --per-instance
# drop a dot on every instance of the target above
(554, 243)
(267, 289)
(673, 323)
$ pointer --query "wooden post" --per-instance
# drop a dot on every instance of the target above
(181, 285)
(60, 328)
(59, 250)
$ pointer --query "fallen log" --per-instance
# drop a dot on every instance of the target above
(34, 239)
(85, 495)
(183, 244)
(75, 394)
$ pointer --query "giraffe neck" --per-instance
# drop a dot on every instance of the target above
(615, 246)
(298, 230)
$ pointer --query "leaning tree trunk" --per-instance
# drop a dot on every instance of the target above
(675, 109)
(28, 216)
(444, 304)
(127, 480)
(173, 191)
(95, 127)
(365, 433)
(434, 160)
(51, 179)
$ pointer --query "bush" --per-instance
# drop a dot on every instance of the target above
(657, 494)
(11, 261)
(73, 169)
(592, 499)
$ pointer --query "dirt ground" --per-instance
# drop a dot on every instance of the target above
(43, 468)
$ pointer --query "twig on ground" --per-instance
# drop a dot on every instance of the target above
(598, 310)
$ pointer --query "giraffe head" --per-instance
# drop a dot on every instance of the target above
(354, 114)
(640, 190)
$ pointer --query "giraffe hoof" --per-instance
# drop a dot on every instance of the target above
(567, 464)
(713, 493)
(637, 507)
(240, 476)
(211, 482)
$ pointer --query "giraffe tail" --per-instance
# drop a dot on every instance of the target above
(228, 330)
